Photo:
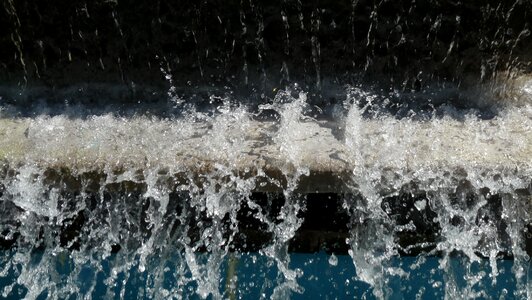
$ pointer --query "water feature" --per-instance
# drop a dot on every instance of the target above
(259, 165)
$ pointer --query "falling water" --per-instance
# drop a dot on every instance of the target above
(348, 150)
(133, 215)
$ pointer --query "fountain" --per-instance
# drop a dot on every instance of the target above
(373, 150)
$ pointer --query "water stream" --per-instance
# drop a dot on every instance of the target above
(366, 150)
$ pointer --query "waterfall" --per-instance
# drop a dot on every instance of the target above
(292, 150)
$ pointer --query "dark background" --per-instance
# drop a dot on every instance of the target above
(246, 44)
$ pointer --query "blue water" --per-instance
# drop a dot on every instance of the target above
(257, 277)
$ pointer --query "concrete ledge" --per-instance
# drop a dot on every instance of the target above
(325, 151)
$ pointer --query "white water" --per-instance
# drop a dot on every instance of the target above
(169, 190)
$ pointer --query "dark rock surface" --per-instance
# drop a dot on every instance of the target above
(259, 45)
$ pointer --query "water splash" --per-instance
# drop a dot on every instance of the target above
(156, 207)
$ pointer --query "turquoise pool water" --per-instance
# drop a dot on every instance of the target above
(319, 276)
